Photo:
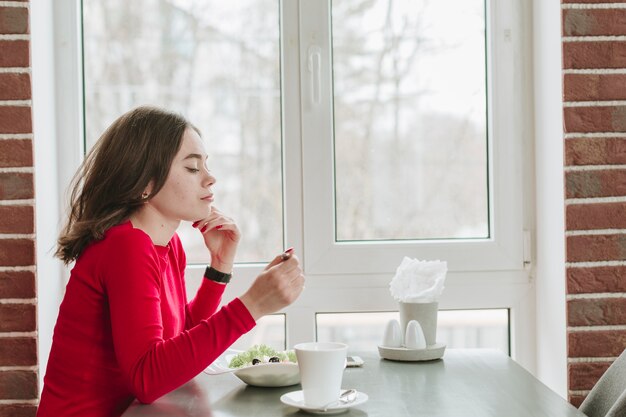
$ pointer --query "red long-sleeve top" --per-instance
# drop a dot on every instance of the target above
(125, 329)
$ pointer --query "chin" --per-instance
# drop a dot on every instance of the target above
(200, 214)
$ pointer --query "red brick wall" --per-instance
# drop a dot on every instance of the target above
(594, 64)
(18, 321)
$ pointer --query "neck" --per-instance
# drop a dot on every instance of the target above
(159, 228)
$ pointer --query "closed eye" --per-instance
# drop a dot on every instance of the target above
(193, 170)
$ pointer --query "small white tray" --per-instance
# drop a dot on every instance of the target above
(431, 353)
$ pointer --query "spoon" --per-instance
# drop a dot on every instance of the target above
(346, 397)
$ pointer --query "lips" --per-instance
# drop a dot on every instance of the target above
(208, 198)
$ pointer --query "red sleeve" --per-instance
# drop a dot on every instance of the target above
(205, 302)
(152, 365)
(208, 296)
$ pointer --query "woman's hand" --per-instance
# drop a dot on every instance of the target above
(276, 287)
(221, 237)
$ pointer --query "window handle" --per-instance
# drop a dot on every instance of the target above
(315, 68)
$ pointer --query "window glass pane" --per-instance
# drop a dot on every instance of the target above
(269, 330)
(456, 328)
(410, 119)
(218, 64)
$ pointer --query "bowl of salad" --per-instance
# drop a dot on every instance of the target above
(260, 366)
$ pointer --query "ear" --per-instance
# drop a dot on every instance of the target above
(148, 190)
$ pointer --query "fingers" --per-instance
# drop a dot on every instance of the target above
(215, 221)
(285, 256)
(287, 267)
(298, 282)
(274, 262)
(212, 216)
(295, 288)
(293, 276)
(290, 286)
(219, 224)
(278, 286)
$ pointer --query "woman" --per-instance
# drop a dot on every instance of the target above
(125, 329)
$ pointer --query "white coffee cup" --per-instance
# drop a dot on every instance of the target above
(321, 371)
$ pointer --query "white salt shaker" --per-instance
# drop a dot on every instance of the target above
(393, 334)
(414, 337)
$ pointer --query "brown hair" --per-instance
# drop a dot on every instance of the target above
(137, 149)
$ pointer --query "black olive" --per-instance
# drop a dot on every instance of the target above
(274, 359)
(256, 361)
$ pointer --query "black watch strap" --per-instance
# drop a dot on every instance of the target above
(217, 276)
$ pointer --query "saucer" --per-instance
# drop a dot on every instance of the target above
(296, 399)
(431, 352)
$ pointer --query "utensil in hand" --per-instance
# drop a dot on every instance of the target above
(286, 254)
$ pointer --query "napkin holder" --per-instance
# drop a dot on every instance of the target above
(426, 315)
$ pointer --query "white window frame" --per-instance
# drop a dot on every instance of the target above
(350, 277)
(502, 251)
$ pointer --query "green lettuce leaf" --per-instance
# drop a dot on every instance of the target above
(260, 351)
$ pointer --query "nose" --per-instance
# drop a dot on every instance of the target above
(209, 179)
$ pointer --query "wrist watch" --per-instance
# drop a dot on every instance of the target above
(217, 276)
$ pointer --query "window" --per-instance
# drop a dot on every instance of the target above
(410, 123)
(219, 65)
(356, 131)
(398, 159)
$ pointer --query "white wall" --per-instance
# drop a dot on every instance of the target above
(550, 230)
(49, 282)
(51, 55)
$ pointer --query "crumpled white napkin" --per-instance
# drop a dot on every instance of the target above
(418, 281)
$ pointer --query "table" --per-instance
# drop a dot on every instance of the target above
(465, 383)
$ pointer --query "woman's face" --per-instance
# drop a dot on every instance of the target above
(186, 194)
